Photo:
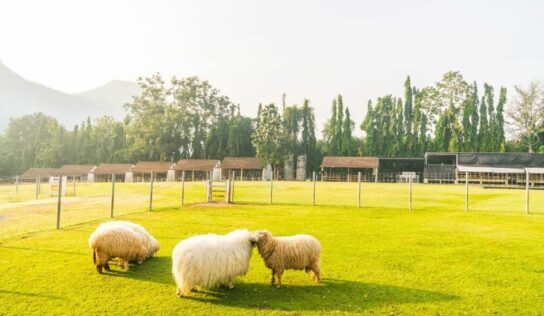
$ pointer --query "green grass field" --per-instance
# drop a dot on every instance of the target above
(378, 259)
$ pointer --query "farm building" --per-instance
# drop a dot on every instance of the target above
(161, 171)
(243, 168)
(400, 169)
(42, 173)
(347, 168)
(484, 168)
(198, 169)
(75, 172)
(106, 171)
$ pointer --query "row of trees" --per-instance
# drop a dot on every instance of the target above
(188, 118)
(448, 116)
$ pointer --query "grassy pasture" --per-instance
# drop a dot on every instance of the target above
(377, 259)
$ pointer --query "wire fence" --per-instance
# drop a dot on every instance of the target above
(28, 205)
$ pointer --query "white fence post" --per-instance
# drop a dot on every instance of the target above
(466, 191)
(359, 189)
(182, 188)
(37, 187)
(59, 199)
(526, 192)
(410, 192)
(16, 184)
(232, 187)
(271, 187)
(313, 179)
(112, 194)
(151, 192)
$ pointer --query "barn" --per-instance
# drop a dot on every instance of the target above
(347, 168)
(243, 168)
(41, 173)
(503, 169)
(161, 171)
(198, 169)
(77, 172)
(399, 169)
(106, 171)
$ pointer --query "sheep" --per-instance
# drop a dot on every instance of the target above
(110, 241)
(152, 244)
(298, 252)
(211, 260)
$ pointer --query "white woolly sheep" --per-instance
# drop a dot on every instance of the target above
(152, 244)
(110, 241)
(211, 260)
(298, 252)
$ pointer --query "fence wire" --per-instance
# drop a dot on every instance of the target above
(28, 205)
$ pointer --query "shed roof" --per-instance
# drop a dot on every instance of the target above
(350, 162)
(242, 163)
(152, 166)
(76, 170)
(40, 172)
(109, 168)
(478, 169)
(197, 164)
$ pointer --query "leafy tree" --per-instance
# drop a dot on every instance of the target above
(347, 141)
(338, 127)
(329, 132)
(308, 139)
(499, 121)
(267, 137)
(527, 115)
(483, 131)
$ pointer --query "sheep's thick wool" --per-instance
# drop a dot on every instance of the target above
(298, 252)
(211, 260)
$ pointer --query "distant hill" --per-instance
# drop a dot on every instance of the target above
(19, 96)
(112, 96)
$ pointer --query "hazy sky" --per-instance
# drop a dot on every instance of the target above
(253, 51)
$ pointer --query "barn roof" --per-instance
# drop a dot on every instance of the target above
(109, 168)
(40, 172)
(196, 164)
(349, 162)
(242, 163)
(152, 166)
(76, 170)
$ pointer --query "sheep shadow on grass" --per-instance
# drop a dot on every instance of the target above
(155, 269)
(329, 295)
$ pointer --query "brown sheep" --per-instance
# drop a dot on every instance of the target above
(298, 252)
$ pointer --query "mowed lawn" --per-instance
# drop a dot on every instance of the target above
(379, 259)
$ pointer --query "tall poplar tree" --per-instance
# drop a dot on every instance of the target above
(346, 134)
(483, 131)
(499, 121)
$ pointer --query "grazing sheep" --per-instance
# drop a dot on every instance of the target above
(152, 244)
(298, 252)
(110, 241)
(211, 260)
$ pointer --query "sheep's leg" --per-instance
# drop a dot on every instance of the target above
(317, 272)
(101, 262)
(279, 274)
(273, 280)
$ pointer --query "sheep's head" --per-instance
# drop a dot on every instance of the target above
(260, 236)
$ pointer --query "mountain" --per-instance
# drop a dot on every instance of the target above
(112, 95)
(19, 96)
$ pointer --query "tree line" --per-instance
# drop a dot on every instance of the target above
(189, 118)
